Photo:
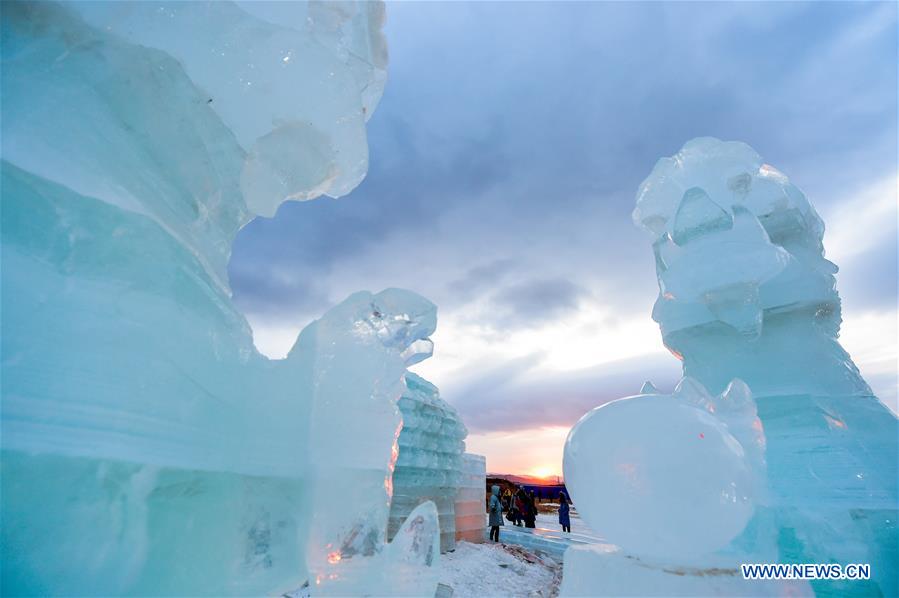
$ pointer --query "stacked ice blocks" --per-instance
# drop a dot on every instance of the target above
(470, 499)
(428, 467)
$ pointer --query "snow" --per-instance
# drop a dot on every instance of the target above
(498, 569)
(549, 522)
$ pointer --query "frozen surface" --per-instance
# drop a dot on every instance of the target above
(147, 447)
(746, 292)
(547, 538)
(429, 464)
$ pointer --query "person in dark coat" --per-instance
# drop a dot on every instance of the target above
(496, 513)
(564, 515)
(520, 503)
(530, 517)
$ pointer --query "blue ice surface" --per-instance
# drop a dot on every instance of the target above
(758, 301)
(147, 446)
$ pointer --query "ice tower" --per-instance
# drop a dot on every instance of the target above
(746, 292)
(147, 447)
(429, 463)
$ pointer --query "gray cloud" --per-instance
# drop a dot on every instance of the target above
(506, 398)
(501, 160)
(536, 301)
(482, 277)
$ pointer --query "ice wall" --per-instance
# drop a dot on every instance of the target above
(147, 447)
(745, 291)
(431, 444)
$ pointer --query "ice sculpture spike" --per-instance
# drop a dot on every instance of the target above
(648, 388)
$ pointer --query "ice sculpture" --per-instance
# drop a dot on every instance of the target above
(431, 444)
(764, 307)
(147, 447)
(470, 507)
(745, 292)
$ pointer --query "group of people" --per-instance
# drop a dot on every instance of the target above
(521, 509)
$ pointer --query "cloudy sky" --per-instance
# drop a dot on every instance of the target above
(505, 156)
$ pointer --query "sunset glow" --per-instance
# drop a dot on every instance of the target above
(535, 451)
(543, 471)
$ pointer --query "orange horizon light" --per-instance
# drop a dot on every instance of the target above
(544, 472)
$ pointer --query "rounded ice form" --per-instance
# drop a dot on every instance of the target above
(147, 447)
(664, 476)
(746, 292)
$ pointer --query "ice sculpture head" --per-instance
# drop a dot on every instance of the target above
(669, 475)
(732, 237)
(317, 145)
(404, 320)
(294, 81)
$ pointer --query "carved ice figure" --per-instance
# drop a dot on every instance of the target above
(745, 292)
(762, 306)
(147, 447)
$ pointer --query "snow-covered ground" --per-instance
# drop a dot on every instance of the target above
(491, 569)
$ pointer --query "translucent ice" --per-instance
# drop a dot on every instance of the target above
(662, 475)
(469, 508)
(431, 444)
(258, 76)
(745, 292)
(147, 447)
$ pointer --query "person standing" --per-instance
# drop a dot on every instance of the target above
(530, 518)
(520, 505)
(496, 513)
(564, 514)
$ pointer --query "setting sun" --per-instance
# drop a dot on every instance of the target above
(543, 471)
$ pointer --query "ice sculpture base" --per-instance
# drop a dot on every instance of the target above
(83, 526)
(604, 570)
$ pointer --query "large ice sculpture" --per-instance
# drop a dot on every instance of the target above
(745, 292)
(147, 447)
(431, 444)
